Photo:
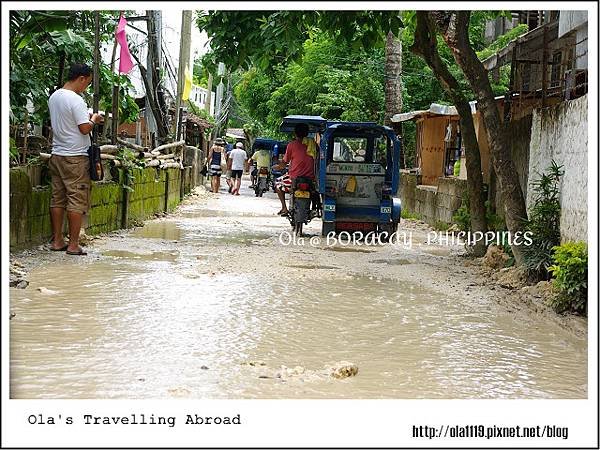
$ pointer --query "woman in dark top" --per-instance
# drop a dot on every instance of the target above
(216, 155)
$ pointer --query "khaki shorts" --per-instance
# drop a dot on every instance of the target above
(70, 183)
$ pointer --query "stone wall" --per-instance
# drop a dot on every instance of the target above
(408, 187)
(433, 204)
(153, 191)
(561, 133)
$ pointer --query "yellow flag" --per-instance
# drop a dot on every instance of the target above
(187, 86)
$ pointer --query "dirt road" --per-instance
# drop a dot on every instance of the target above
(217, 301)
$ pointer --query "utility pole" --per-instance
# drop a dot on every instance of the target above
(209, 93)
(219, 99)
(184, 61)
(96, 62)
(115, 109)
(155, 101)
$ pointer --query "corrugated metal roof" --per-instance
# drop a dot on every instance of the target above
(435, 109)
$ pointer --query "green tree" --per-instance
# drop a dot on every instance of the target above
(453, 27)
(42, 46)
(264, 38)
(426, 45)
(331, 80)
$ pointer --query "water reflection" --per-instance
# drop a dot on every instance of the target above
(126, 331)
(156, 320)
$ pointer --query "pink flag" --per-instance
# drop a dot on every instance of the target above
(125, 62)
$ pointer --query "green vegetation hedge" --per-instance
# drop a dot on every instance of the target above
(570, 272)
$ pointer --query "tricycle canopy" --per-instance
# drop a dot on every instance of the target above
(316, 124)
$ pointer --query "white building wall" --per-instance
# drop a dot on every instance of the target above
(199, 96)
(571, 20)
(561, 133)
(577, 22)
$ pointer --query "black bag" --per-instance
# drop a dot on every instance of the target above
(203, 171)
(96, 169)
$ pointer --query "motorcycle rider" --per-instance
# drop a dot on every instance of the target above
(301, 159)
(262, 159)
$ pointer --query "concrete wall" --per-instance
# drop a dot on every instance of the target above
(561, 133)
(153, 191)
(571, 20)
(433, 204)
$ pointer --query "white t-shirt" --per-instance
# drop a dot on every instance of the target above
(238, 157)
(67, 111)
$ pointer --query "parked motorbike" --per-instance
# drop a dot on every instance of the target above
(262, 182)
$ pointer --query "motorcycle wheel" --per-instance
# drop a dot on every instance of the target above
(327, 228)
(298, 229)
(390, 229)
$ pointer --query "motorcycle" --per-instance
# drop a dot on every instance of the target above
(305, 204)
(261, 184)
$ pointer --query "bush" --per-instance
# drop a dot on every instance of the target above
(462, 216)
(543, 223)
(409, 215)
(570, 277)
(440, 225)
(14, 151)
(493, 220)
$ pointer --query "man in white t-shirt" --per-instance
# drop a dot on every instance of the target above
(69, 163)
(238, 163)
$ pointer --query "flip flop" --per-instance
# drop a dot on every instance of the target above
(62, 249)
(79, 252)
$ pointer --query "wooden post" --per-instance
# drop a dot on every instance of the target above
(96, 80)
(184, 59)
(179, 120)
(511, 87)
(182, 182)
(125, 204)
(112, 69)
(97, 62)
(115, 113)
(544, 66)
(25, 133)
(209, 93)
(166, 191)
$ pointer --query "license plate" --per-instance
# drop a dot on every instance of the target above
(302, 194)
(355, 226)
(262, 176)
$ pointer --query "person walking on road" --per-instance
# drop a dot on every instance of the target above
(228, 150)
(69, 162)
(238, 161)
(216, 156)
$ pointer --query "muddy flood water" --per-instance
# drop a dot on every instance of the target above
(208, 303)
